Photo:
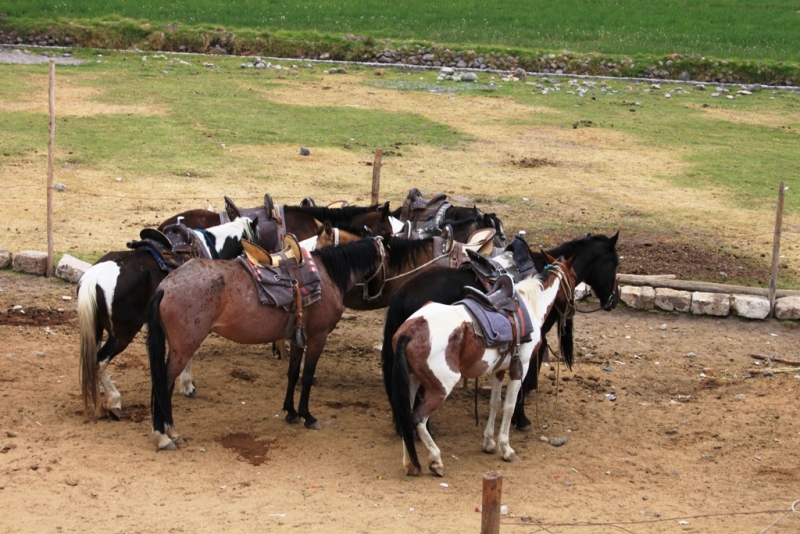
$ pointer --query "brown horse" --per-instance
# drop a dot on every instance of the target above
(206, 296)
(440, 344)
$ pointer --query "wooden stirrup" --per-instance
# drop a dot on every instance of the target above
(481, 240)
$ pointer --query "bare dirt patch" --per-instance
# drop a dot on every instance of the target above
(533, 163)
(247, 447)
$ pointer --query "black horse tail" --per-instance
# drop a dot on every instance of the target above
(393, 321)
(566, 342)
(401, 401)
(160, 401)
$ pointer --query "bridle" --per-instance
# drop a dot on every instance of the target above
(381, 269)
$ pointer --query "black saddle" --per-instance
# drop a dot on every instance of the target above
(501, 297)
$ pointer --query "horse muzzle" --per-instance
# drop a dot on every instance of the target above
(613, 298)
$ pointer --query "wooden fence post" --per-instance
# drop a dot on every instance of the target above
(776, 251)
(376, 176)
(51, 147)
(492, 493)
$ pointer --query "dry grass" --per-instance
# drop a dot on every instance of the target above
(603, 179)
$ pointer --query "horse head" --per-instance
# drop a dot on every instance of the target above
(602, 277)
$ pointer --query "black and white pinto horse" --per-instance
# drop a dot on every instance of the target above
(596, 263)
(113, 296)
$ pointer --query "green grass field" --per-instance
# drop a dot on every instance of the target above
(768, 29)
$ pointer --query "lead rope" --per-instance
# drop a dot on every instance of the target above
(380, 269)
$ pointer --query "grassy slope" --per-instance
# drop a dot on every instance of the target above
(726, 28)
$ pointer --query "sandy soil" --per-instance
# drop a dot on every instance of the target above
(674, 446)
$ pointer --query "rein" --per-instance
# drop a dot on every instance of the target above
(369, 298)
(381, 269)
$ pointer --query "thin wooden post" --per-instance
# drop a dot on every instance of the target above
(776, 252)
(51, 148)
(492, 492)
(376, 176)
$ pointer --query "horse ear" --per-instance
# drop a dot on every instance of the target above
(327, 228)
(571, 261)
(550, 259)
(614, 239)
(588, 234)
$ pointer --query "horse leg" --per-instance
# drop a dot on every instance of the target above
(113, 346)
(489, 445)
(506, 451)
(433, 398)
(313, 351)
(293, 374)
(529, 383)
(113, 398)
(186, 384)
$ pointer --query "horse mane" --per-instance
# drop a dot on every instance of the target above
(457, 224)
(343, 262)
(348, 227)
(245, 223)
(570, 248)
(565, 322)
(336, 216)
(407, 252)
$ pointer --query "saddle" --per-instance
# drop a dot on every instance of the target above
(480, 242)
(500, 318)
(515, 261)
(288, 279)
(424, 212)
(271, 225)
(171, 248)
(260, 257)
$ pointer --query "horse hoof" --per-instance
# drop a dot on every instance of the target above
(292, 419)
(524, 428)
(115, 414)
(313, 426)
(192, 394)
(512, 458)
(169, 446)
(412, 472)
(178, 441)
(437, 470)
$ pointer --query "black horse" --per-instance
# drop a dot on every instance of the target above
(596, 264)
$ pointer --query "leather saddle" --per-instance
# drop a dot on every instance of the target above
(419, 209)
(171, 248)
(515, 261)
(270, 223)
(261, 258)
(501, 297)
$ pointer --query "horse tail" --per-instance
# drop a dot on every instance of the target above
(160, 402)
(87, 325)
(390, 326)
(401, 400)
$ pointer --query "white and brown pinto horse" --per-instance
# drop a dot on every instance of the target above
(438, 346)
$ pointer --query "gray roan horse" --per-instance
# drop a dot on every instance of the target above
(113, 296)
(218, 296)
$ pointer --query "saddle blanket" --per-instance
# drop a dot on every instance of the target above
(274, 286)
(495, 327)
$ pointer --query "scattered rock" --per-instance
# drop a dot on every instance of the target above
(469, 77)
(60, 188)
(69, 481)
(671, 431)
(304, 151)
(557, 442)
(741, 397)
(31, 262)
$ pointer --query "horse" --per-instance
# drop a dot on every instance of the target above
(596, 263)
(302, 221)
(205, 296)
(113, 296)
(439, 344)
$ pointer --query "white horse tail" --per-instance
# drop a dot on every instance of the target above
(87, 324)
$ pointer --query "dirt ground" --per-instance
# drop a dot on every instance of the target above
(675, 445)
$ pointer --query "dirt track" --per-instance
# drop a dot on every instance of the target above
(673, 445)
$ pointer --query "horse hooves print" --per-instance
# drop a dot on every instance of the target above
(115, 414)
(313, 425)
